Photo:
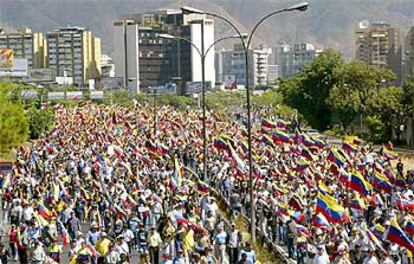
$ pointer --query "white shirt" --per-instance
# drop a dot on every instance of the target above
(234, 239)
(122, 248)
(28, 213)
(321, 259)
(371, 260)
(112, 257)
(128, 235)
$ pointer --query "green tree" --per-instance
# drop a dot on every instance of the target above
(13, 124)
(387, 105)
(308, 91)
(40, 121)
(408, 99)
(377, 129)
(357, 82)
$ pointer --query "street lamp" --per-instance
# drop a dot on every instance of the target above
(303, 6)
(203, 54)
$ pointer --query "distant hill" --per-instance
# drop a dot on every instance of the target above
(327, 23)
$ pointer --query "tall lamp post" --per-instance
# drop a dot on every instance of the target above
(246, 45)
(203, 54)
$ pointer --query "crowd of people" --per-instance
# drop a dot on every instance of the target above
(104, 187)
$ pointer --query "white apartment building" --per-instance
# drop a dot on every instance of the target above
(74, 53)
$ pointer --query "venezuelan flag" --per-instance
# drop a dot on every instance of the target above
(202, 187)
(358, 204)
(381, 182)
(220, 144)
(307, 154)
(303, 230)
(229, 140)
(297, 216)
(318, 142)
(43, 222)
(336, 158)
(374, 239)
(404, 203)
(268, 141)
(320, 221)
(389, 154)
(328, 206)
(378, 230)
(301, 165)
(268, 124)
(344, 176)
(398, 236)
(307, 141)
(44, 212)
(359, 184)
(64, 234)
(349, 147)
(409, 226)
(280, 136)
(244, 146)
(282, 124)
(238, 162)
(323, 188)
(376, 200)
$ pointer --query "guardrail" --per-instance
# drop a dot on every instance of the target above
(266, 242)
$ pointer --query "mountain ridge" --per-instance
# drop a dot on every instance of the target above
(327, 23)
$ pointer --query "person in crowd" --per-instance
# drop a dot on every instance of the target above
(98, 187)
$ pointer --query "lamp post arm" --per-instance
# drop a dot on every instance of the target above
(230, 23)
(217, 41)
(261, 22)
(192, 44)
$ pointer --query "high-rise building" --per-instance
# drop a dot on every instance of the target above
(379, 44)
(223, 64)
(74, 53)
(409, 53)
(233, 63)
(107, 66)
(26, 45)
(272, 73)
(290, 59)
(144, 60)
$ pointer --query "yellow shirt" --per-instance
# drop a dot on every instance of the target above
(188, 241)
(102, 246)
